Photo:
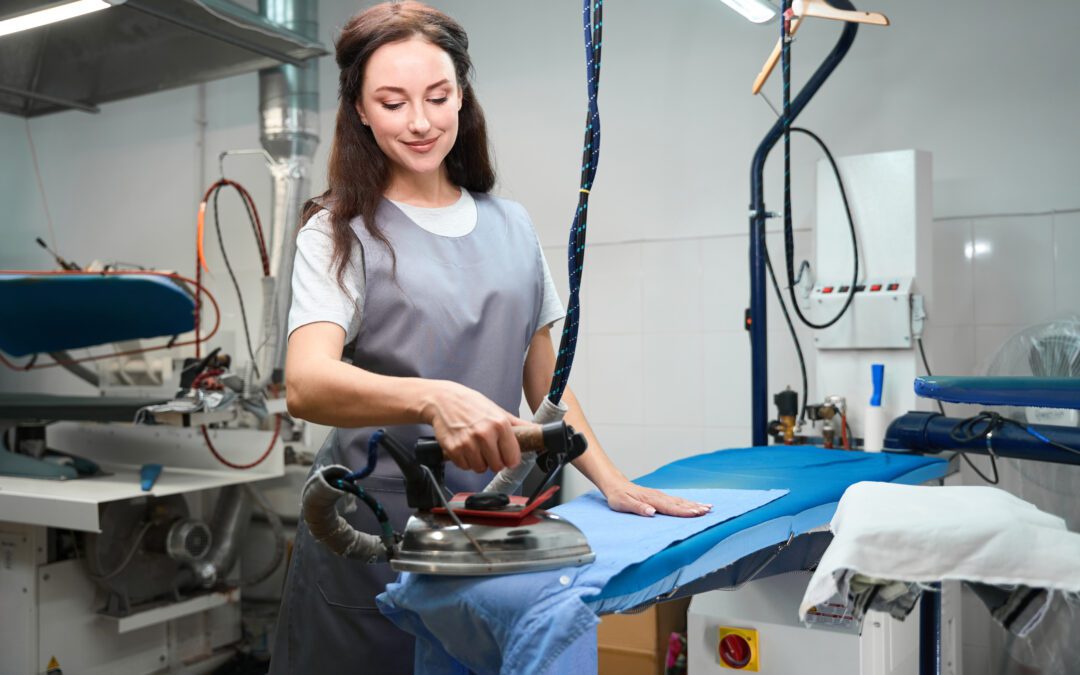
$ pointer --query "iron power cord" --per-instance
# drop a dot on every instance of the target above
(386, 530)
(794, 336)
(789, 233)
(593, 23)
(789, 240)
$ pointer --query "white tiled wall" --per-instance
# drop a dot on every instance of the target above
(664, 370)
(994, 276)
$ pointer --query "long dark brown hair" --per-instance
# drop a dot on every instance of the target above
(359, 173)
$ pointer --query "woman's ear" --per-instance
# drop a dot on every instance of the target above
(360, 112)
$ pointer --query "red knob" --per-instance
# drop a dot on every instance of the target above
(735, 651)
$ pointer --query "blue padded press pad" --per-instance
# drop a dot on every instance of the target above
(53, 313)
(816, 479)
(1042, 392)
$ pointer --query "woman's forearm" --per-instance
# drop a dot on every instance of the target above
(539, 363)
(595, 463)
(338, 394)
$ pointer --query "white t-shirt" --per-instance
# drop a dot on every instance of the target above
(318, 297)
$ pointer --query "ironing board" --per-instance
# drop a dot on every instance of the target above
(1042, 392)
(816, 478)
(48, 313)
(459, 610)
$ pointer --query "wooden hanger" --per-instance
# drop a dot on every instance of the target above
(822, 10)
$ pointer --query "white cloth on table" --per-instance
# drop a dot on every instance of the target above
(926, 534)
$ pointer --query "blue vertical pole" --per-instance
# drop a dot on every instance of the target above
(756, 322)
(759, 401)
(930, 632)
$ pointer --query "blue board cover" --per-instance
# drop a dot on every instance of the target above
(1041, 392)
(48, 313)
(815, 478)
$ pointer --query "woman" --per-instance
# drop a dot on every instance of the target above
(442, 295)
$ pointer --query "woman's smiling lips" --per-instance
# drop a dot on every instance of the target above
(421, 146)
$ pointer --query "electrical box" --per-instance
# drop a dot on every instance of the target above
(879, 316)
(755, 628)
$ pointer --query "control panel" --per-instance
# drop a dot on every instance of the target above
(879, 316)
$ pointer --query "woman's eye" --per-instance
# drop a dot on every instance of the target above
(392, 106)
(438, 101)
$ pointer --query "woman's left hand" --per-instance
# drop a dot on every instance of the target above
(631, 498)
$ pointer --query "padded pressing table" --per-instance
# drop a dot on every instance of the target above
(815, 478)
(788, 533)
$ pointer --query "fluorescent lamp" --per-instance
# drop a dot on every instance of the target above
(42, 17)
(758, 11)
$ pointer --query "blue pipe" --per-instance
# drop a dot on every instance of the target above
(759, 395)
(927, 432)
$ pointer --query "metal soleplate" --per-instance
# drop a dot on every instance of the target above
(433, 544)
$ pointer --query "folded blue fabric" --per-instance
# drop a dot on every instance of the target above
(540, 622)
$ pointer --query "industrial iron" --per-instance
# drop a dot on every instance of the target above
(467, 534)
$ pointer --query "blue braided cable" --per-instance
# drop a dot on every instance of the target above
(592, 25)
(372, 458)
(785, 56)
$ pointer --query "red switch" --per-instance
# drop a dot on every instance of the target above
(735, 651)
(893, 287)
(827, 289)
(875, 287)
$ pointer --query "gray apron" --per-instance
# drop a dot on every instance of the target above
(461, 309)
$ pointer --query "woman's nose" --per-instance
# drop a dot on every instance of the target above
(419, 123)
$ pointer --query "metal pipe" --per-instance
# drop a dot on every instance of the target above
(289, 132)
(68, 363)
(231, 516)
(36, 96)
(927, 432)
(756, 324)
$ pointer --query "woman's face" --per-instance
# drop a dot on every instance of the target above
(411, 99)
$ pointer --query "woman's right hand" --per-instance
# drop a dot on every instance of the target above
(474, 433)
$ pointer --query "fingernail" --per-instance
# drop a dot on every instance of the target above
(649, 511)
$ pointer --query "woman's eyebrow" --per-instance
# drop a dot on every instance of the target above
(399, 90)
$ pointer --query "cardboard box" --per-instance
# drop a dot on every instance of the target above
(636, 644)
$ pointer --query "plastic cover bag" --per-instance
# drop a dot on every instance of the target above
(1045, 350)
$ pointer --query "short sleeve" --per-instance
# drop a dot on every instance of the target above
(316, 295)
(551, 307)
